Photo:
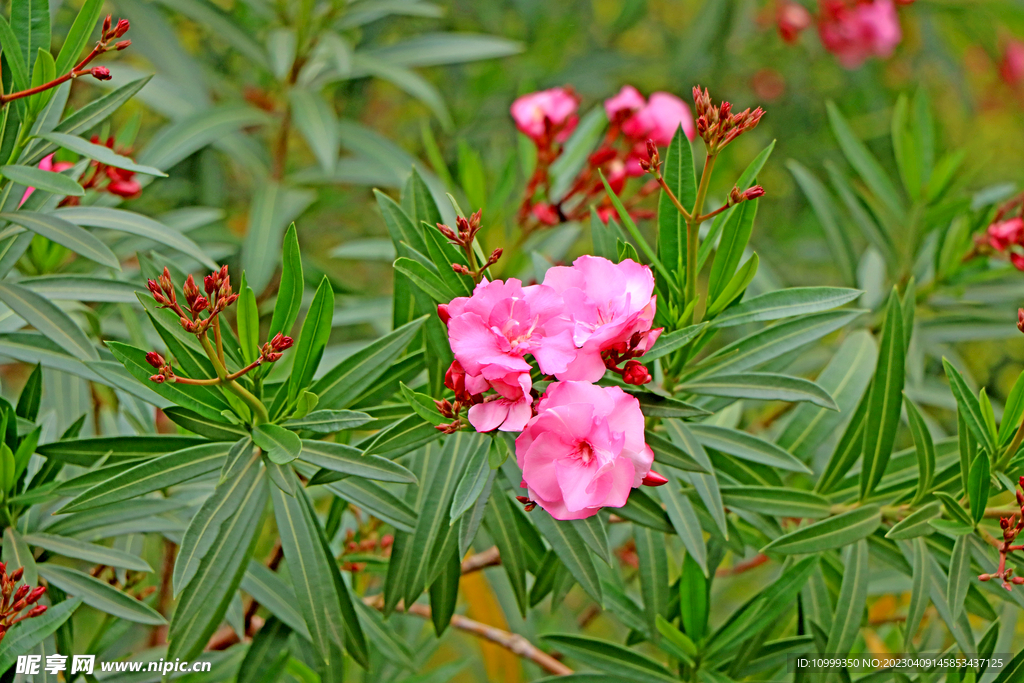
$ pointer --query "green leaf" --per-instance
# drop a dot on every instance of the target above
(653, 573)
(100, 153)
(419, 204)
(100, 594)
(572, 551)
(316, 330)
(919, 591)
(316, 122)
(678, 173)
(472, 484)
(765, 386)
(444, 592)
(31, 394)
(746, 446)
(959, 576)
(833, 532)
(198, 399)
(915, 524)
(573, 157)
(17, 555)
(501, 525)
(432, 49)
(884, 399)
(656, 405)
(205, 598)
(736, 231)
(65, 234)
(34, 631)
(786, 303)
(289, 292)
(89, 552)
(851, 603)
(1012, 671)
(78, 35)
(402, 437)
(351, 461)
(668, 453)
(48, 319)
(925, 450)
(864, 163)
(706, 484)
(321, 595)
(273, 208)
(217, 430)
(343, 384)
(281, 445)
(693, 598)
(765, 345)
(428, 281)
(328, 421)
(776, 501)
(30, 20)
(48, 181)
(969, 407)
(134, 224)
(14, 55)
(87, 452)
(267, 654)
(1012, 411)
(677, 339)
(736, 286)
(828, 215)
(152, 475)
(376, 500)
(610, 657)
(955, 510)
(978, 487)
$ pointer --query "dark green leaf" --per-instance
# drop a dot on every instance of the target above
(611, 658)
(884, 399)
(572, 551)
(100, 594)
(833, 532)
(351, 461)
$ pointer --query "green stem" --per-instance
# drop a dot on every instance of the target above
(259, 411)
(1012, 449)
(693, 233)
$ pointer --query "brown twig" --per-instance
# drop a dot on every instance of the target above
(513, 642)
(488, 558)
(744, 566)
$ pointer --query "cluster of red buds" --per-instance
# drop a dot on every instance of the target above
(109, 33)
(633, 372)
(718, 126)
(16, 599)
(1011, 526)
(463, 237)
(217, 298)
(528, 504)
(454, 379)
(371, 544)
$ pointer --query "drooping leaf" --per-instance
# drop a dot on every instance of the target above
(832, 532)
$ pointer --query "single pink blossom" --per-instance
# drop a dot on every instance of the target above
(627, 102)
(606, 304)
(854, 31)
(659, 119)
(584, 450)
(46, 164)
(1003, 234)
(540, 115)
(491, 332)
(1011, 67)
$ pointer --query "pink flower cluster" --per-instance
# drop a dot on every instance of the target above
(852, 30)
(1011, 66)
(582, 446)
(1003, 235)
(548, 117)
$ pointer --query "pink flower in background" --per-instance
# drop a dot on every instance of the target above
(858, 30)
(659, 119)
(46, 164)
(584, 450)
(791, 18)
(627, 102)
(608, 306)
(541, 115)
(1003, 234)
(1011, 68)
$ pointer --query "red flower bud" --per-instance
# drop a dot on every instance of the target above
(17, 574)
(754, 192)
(36, 611)
(121, 28)
(122, 45)
(445, 316)
(101, 73)
(36, 593)
(635, 373)
(22, 591)
(127, 189)
(155, 359)
(159, 379)
(653, 479)
(984, 577)
(106, 25)
(200, 304)
(154, 289)
(523, 499)
(281, 342)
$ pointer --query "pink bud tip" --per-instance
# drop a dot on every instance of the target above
(101, 73)
(159, 379)
(984, 577)
(443, 314)
(654, 479)
(121, 28)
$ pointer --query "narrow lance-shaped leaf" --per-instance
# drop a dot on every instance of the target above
(970, 408)
(680, 178)
(852, 601)
(925, 449)
(884, 399)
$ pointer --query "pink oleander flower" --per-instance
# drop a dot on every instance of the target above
(46, 164)
(584, 450)
(606, 304)
(545, 114)
(509, 409)
(791, 18)
(1002, 235)
(627, 102)
(659, 119)
(858, 30)
(1011, 67)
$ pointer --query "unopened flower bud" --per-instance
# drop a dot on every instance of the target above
(22, 591)
(443, 314)
(36, 611)
(653, 479)
(635, 373)
(36, 593)
(17, 574)
(461, 269)
(120, 45)
(1004, 522)
(523, 499)
(1018, 580)
(101, 73)
(529, 507)
(448, 232)
(495, 255)
(984, 577)
(200, 305)
(280, 342)
(159, 379)
(209, 284)
(121, 28)
(753, 192)
(154, 289)
(1020, 326)
(106, 25)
